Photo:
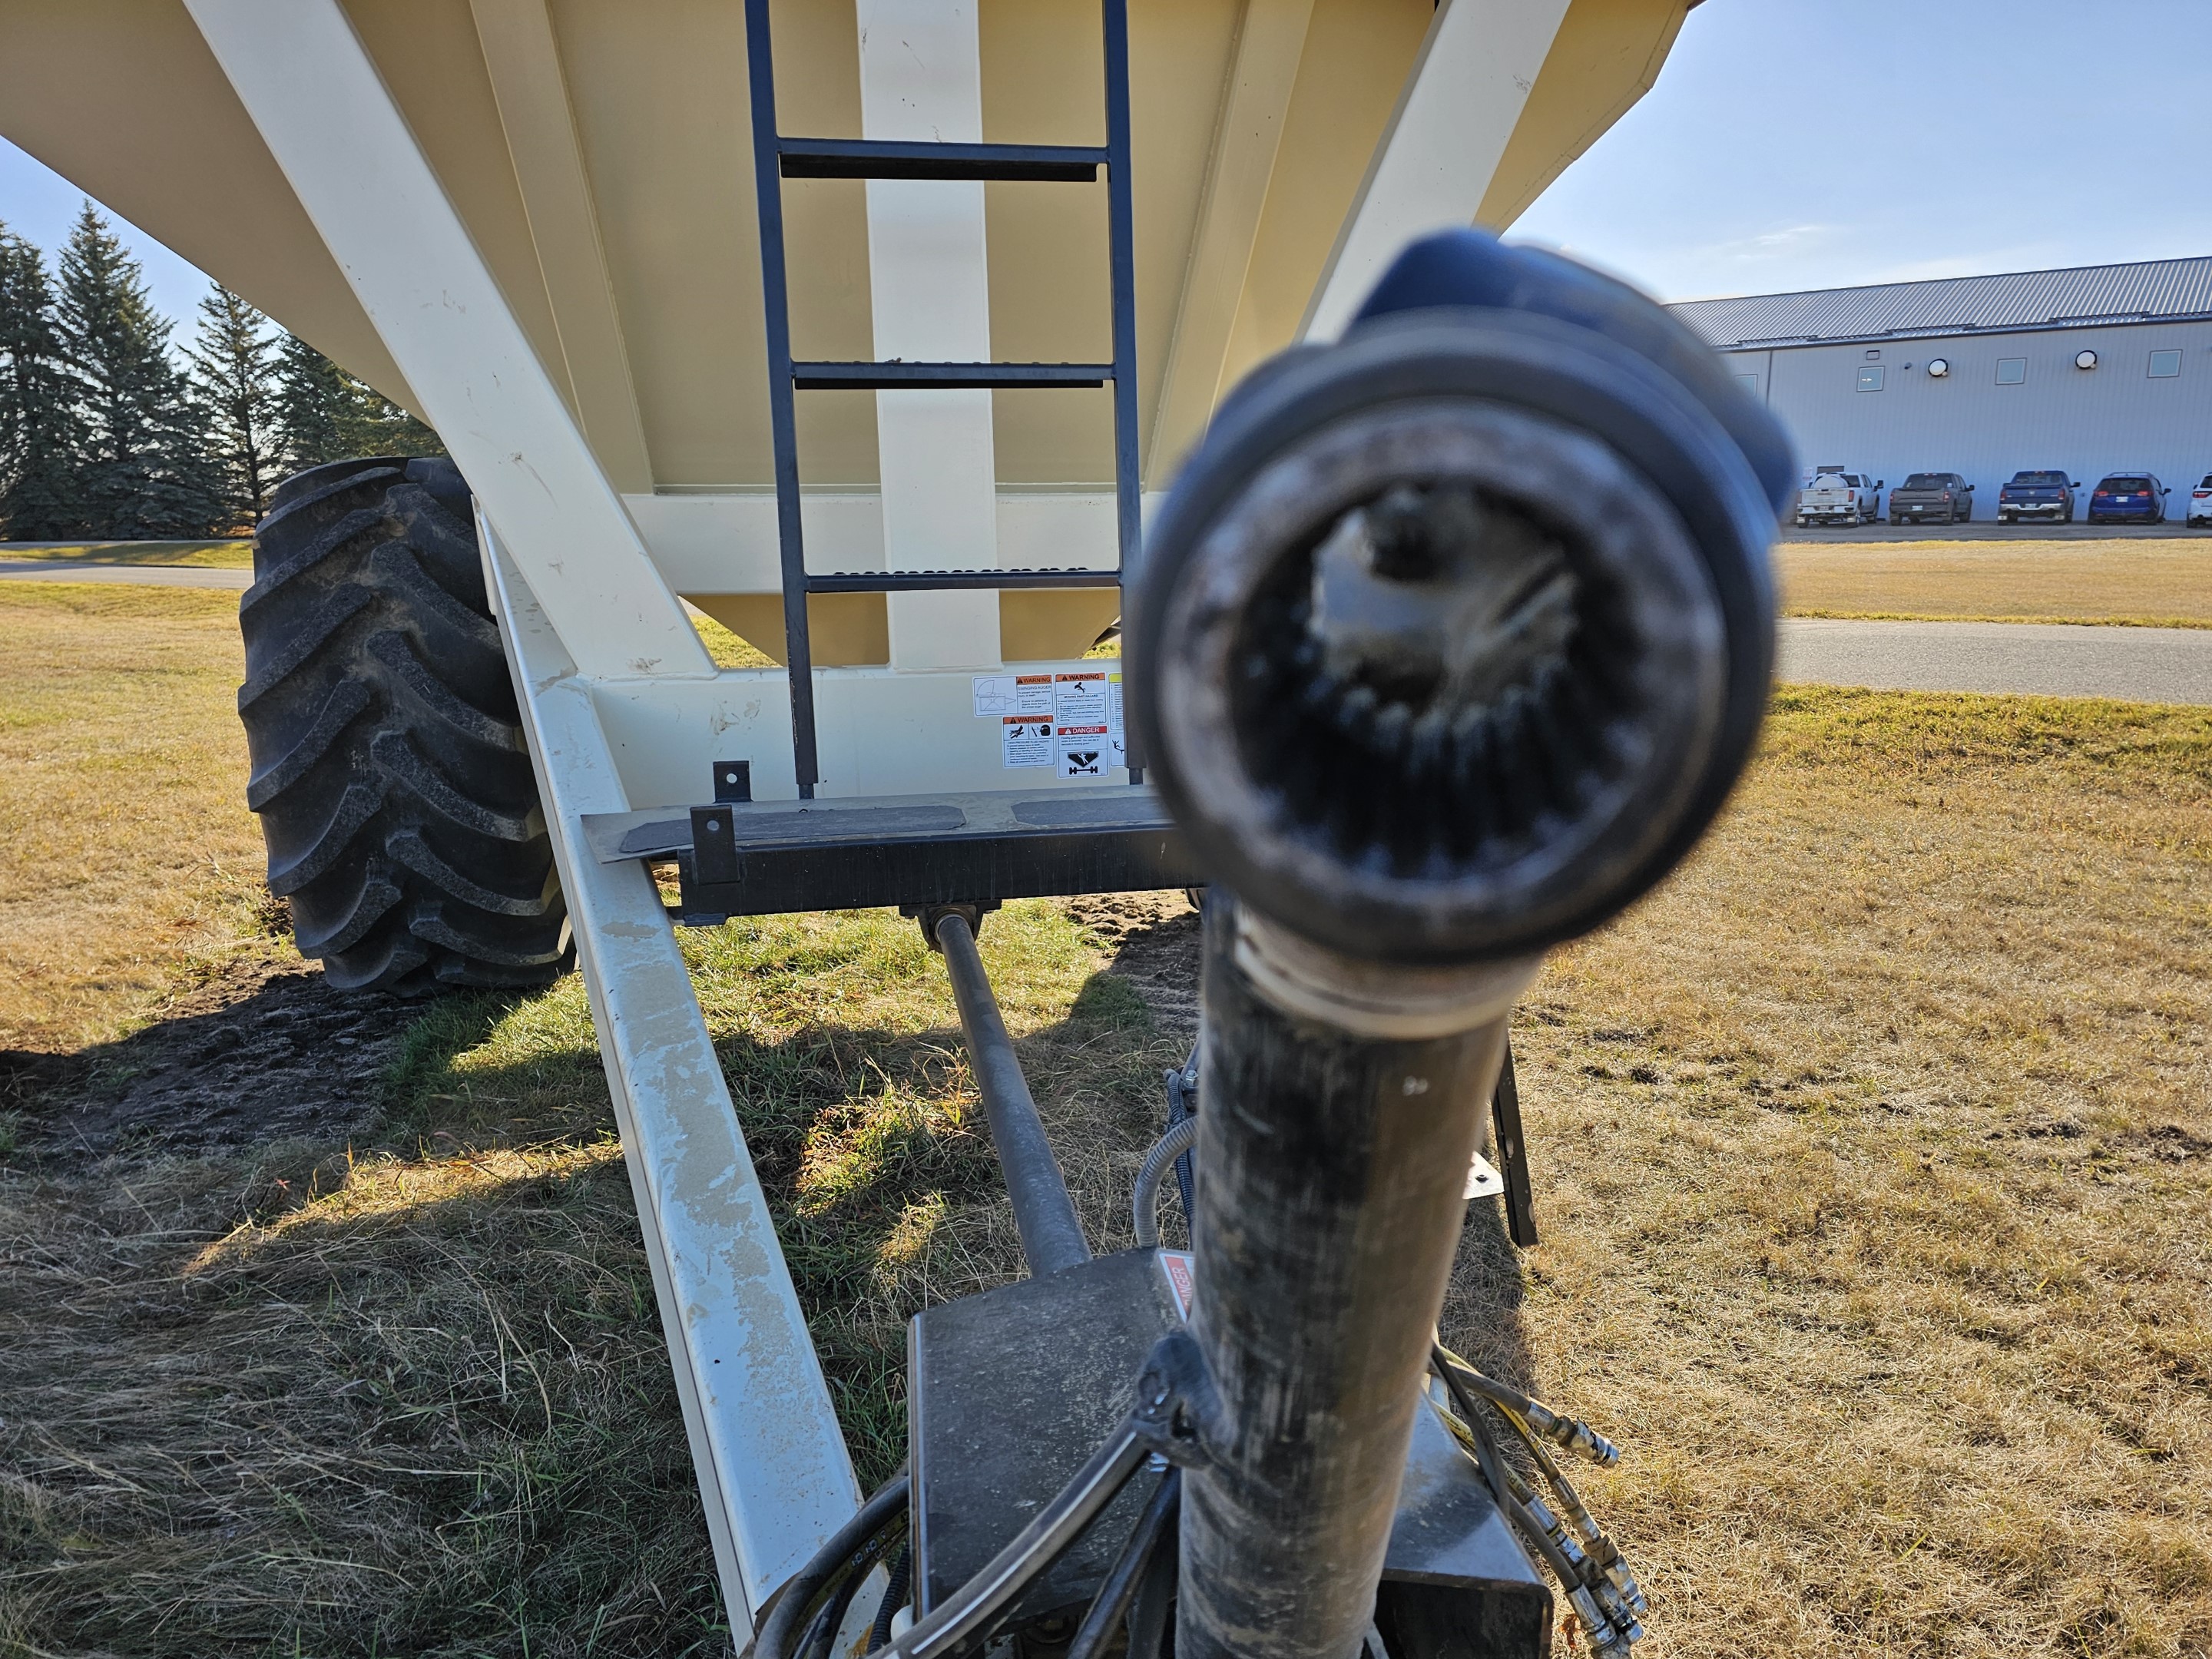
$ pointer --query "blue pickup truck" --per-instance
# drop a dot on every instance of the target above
(2037, 496)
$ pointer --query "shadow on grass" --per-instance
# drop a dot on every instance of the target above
(410, 1396)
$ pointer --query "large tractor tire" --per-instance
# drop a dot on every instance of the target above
(389, 768)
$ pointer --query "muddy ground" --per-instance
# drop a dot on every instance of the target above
(264, 1050)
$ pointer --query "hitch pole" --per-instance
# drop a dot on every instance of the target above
(1052, 1237)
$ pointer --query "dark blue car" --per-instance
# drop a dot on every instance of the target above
(2128, 498)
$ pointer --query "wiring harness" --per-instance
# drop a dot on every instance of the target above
(1604, 1595)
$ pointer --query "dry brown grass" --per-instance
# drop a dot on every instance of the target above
(1872, 1155)
(124, 840)
(2145, 583)
(1871, 1159)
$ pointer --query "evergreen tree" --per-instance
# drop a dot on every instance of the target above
(312, 400)
(233, 363)
(40, 436)
(146, 471)
(324, 414)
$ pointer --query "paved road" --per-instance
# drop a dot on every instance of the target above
(150, 575)
(1985, 530)
(2141, 664)
(2051, 659)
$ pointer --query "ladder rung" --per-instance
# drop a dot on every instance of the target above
(837, 377)
(923, 581)
(880, 158)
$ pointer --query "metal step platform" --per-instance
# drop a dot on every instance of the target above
(742, 858)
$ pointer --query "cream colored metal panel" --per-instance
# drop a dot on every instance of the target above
(1606, 56)
(123, 98)
(426, 53)
(1358, 53)
(349, 153)
(1451, 126)
(524, 62)
(1270, 42)
(660, 94)
(657, 96)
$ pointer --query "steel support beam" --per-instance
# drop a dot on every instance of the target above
(772, 1464)
(324, 112)
(1445, 139)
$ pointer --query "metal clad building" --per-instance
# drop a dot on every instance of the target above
(1847, 371)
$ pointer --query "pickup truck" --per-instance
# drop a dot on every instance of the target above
(1944, 495)
(1836, 496)
(2037, 496)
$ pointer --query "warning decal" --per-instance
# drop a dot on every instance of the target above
(1082, 751)
(998, 696)
(1079, 699)
(1025, 740)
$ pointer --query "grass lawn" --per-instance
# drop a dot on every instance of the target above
(2146, 583)
(215, 556)
(1872, 1162)
(124, 840)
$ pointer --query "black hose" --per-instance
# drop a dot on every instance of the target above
(894, 1598)
(822, 1635)
(1109, 1606)
(804, 1590)
(1152, 1612)
(1052, 1237)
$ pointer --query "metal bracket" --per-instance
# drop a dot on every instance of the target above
(733, 780)
(971, 911)
(1513, 1154)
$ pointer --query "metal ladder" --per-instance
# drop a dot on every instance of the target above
(776, 158)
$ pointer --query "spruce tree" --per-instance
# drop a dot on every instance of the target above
(146, 471)
(40, 436)
(312, 401)
(233, 365)
(324, 414)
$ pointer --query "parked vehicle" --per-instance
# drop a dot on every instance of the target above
(2037, 496)
(1836, 496)
(1925, 495)
(2200, 503)
(2128, 498)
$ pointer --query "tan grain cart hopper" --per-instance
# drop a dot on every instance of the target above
(539, 225)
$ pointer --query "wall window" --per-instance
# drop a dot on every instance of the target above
(2011, 371)
(2164, 365)
(1870, 377)
(1749, 383)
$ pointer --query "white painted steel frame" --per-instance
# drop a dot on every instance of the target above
(773, 1467)
(1441, 148)
(581, 608)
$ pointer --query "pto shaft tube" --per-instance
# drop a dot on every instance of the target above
(1451, 640)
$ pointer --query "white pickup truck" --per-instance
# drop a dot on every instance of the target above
(1835, 496)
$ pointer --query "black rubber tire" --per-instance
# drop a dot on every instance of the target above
(389, 767)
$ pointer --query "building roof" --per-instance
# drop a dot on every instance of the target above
(2084, 296)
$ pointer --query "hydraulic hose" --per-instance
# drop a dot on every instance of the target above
(1145, 1201)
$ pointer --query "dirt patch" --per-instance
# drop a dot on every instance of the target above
(1155, 943)
(262, 1051)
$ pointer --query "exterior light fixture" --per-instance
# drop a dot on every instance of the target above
(1939, 367)
(2085, 360)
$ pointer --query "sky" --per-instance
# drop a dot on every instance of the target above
(1801, 143)
(1821, 144)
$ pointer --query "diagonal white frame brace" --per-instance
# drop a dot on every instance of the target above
(1443, 145)
(330, 122)
(773, 1467)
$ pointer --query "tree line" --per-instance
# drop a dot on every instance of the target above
(105, 435)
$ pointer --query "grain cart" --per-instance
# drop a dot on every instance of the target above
(1448, 634)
